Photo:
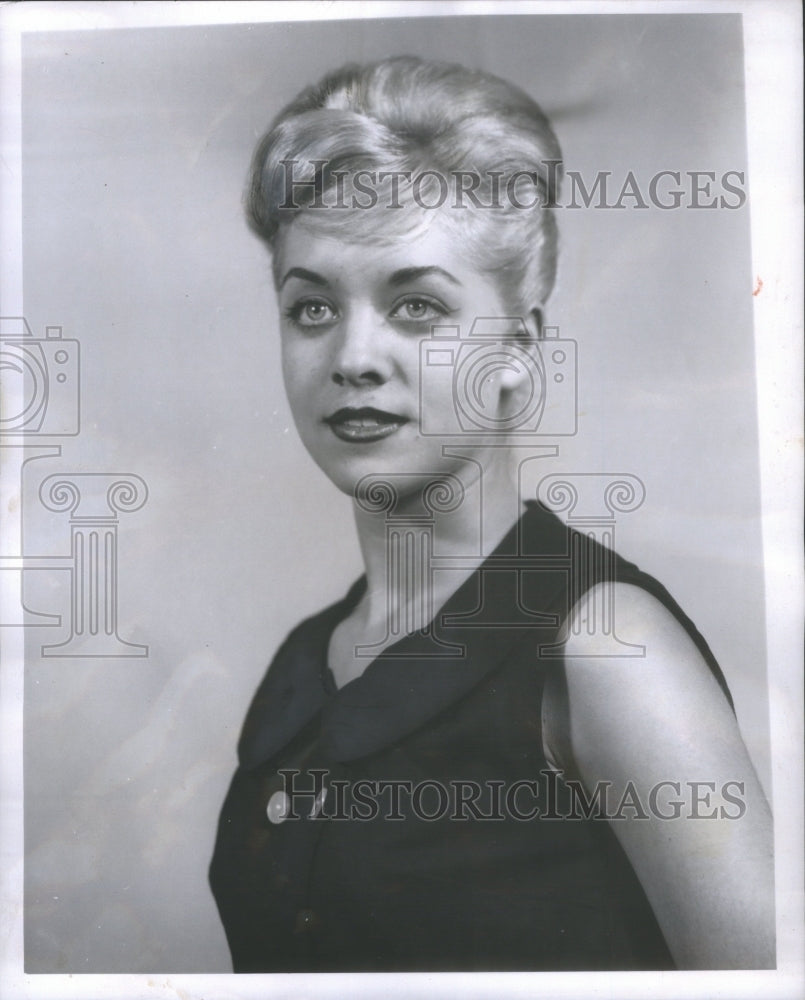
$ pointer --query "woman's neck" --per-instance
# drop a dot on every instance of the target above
(418, 547)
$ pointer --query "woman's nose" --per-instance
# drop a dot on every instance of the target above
(361, 357)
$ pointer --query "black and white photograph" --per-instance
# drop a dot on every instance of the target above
(402, 583)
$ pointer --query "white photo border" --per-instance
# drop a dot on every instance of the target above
(774, 108)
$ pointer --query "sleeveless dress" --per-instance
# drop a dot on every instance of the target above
(410, 820)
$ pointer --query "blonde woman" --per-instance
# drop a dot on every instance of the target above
(448, 769)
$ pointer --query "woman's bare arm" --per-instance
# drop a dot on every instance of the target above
(663, 718)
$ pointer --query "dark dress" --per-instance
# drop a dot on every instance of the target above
(445, 840)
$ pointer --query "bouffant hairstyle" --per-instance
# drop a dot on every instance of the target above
(425, 121)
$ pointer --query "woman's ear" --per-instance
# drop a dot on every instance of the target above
(534, 323)
(516, 375)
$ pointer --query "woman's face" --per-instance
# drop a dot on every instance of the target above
(353, 318)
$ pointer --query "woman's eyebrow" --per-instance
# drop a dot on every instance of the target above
(406, 274)
(305, 275)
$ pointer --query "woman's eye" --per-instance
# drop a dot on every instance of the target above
(416, 309)
(311, 312)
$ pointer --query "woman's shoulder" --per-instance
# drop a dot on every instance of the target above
(609, 598)
(642, 684)
(631, 659)
(627, 621)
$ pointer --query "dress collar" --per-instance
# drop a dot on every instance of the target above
(414, 679)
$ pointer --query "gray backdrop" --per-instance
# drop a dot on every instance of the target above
(136, 145)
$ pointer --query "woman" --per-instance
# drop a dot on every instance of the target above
(451, 768)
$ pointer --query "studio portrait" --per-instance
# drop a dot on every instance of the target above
(389, 550)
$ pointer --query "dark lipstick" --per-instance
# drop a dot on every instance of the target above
(364, 423)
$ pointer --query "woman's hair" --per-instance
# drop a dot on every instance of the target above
(454, 137)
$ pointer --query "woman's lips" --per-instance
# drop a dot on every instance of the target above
(364, 423)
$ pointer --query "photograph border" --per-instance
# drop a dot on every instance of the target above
(773, 70)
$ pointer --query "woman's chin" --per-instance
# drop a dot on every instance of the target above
(408, 462)
(357, 476)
